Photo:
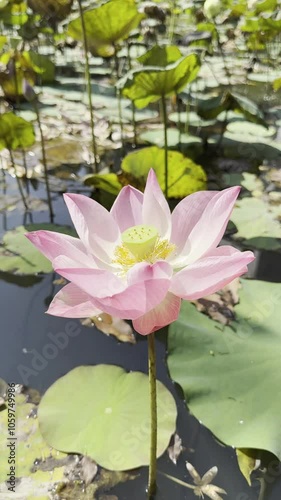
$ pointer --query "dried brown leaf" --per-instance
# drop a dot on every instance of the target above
(89, 470)
(175, 450)
(220, 306)
(112, 326)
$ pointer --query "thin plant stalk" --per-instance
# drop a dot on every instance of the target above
(18, 109)
(179, 119)
(164, 111)
(88, 78)
(133, 102)
(44, 160)
(151, 489)
(25, 169)
(118, 95)
(18, 181)
(220, 46)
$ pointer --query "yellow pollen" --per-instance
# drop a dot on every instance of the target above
(141, 243)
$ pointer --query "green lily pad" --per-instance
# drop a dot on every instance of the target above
(249, 181)
(112, 425)
(150, 83)
(257, 223)
(15, 132)
(106, 182)
(191, 145)
(230, 377)
(266, 77)
(102, 34)
(211, 108)
(41, 469)
(19, 256)
(160, 56)
(191, 118)
(249, 128)
(184, 176)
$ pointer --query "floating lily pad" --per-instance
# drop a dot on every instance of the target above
(41, 469)
(249, 128)
(257, 223)
(230, 377)
(112, 426)
(191, 119)
(18, 255)
(184, 176)
(156, 136)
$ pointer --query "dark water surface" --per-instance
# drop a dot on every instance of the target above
(25, 332)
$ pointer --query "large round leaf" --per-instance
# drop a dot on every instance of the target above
(18, 255)
(15, 132)
(104, 412)
(160, 56)
(231, 376)
(257, 223)
(184, 176)
(107, 24)
(152, 82)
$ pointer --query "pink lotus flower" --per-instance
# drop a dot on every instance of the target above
(138, 260)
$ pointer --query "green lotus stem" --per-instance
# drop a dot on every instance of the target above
(151, 489)
(44, 160)
(262, 489)
(88, 78)
(172, 21)
(133, 102)
(179, 119)
(18, 181)
(118, 95)
(220, 46)
(164, 110)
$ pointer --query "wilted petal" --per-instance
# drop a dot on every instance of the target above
(72, 302)
(163, 314)
(147, 286)
(156, 211)
(52, 244)
(212, 491)
(193, 472)
(209, 228)
(211, 273)
(209, 475)
(94, 224)
(127, 208)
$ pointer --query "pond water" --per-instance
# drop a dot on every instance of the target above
(26, 331)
